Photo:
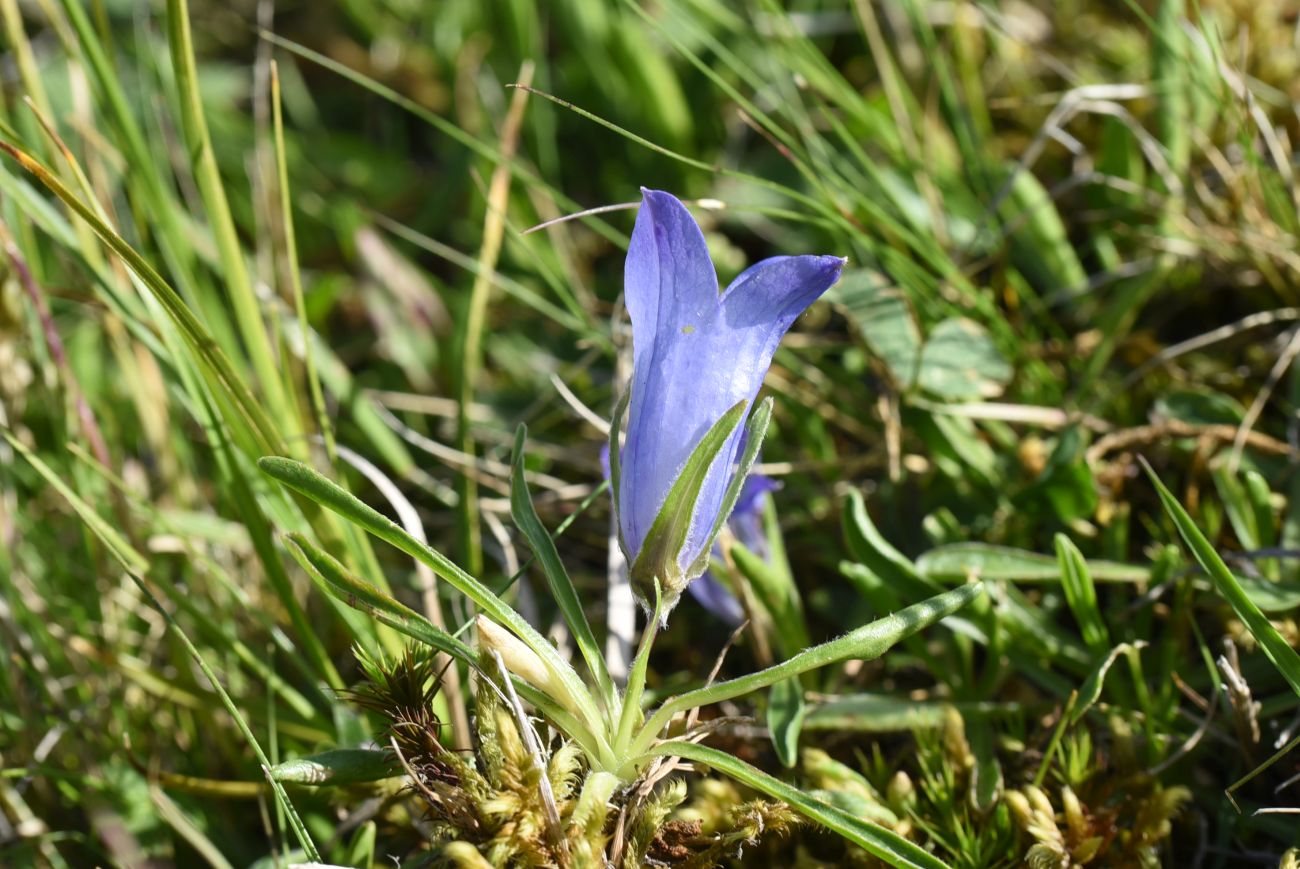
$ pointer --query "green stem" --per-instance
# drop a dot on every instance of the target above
(630, 715)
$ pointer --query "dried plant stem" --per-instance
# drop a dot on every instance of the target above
(553, 825)
(1136, 437)
(494, 223)
(85, 416)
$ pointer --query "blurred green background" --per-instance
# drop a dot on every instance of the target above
(1072, 234)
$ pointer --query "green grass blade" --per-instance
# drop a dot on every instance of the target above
(198, 339)
(134, 565)
(234, 271)
(1279, 651)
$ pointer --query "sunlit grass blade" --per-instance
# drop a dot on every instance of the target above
(303, 479)
(134, 565)
(234, 271)
(197, 338)
(1279, 651)
(444, 126)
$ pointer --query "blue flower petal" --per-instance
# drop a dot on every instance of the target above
(696, 354)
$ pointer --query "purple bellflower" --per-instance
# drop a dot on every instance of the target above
(699, 359)
(746, 526)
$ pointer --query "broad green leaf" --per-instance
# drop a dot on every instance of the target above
(785, 713)
(1279, 651)
(959, 363)
(957, 561)
(1200, 406)
(884, 318)
(883, 844)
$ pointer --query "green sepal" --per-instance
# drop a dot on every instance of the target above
(658, 556)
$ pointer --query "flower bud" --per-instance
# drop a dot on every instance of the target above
(523, 662)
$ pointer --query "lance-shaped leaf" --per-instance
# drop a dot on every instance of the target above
(557, 578)
(883, 844)
(866, 643)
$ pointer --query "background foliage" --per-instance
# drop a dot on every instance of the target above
(1072, 232)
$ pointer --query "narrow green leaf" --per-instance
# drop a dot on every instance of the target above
(1279, 651)
(341, 584)
(340, 766)
(1080, 593)
(883, 844)
(307, 481)
(957, 561)
(986, 777)
(557, 578)
(785, 714)
(1090, 690)
(883, 713)
(755, 432)
(866, 643)
(1236, 503)
(868, 546)
(776, 591)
